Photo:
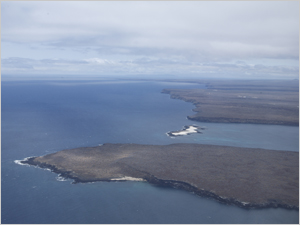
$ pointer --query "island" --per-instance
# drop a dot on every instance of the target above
(243, 101)
(247, 177)
(188, 129)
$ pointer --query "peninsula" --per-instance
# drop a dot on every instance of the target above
(257, 102)
(242, 176)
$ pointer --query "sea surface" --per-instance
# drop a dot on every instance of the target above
(42, 117)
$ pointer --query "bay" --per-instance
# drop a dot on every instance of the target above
(41, 117)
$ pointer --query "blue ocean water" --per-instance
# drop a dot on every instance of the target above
(41, 117)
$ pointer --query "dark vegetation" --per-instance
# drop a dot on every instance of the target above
(258, 102)
(242, 176)
(232, 175)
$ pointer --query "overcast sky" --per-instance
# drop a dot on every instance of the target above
(199, 39)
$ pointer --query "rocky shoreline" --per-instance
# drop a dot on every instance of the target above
(166, 183)
(228, 201)
(256, 103)
(211, 182)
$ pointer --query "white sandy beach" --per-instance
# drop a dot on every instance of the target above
(185, 131)
(128, 179)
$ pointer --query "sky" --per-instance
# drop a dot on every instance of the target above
(172, 39)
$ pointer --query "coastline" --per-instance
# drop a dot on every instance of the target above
(187, 130)
(208, 194)
(260, 102)
(167, 183)
(133, 168)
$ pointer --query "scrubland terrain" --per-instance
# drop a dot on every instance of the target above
(258, 102)
(243, 176)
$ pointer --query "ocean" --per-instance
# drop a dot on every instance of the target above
(42, 117)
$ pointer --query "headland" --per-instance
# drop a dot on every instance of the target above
(249, 178)
(237, 101)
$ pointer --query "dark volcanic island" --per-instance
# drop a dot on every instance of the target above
(232, 175)
(242, 176)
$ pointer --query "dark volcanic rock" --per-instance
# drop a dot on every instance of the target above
(242, 176)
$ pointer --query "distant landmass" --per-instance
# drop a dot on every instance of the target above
(257, 102)
(242, 176)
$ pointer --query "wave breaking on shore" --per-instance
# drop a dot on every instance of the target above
(188, 129)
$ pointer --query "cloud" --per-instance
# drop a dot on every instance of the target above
(145, 66)
(173, 36)
(27, 66)
(98, 61)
